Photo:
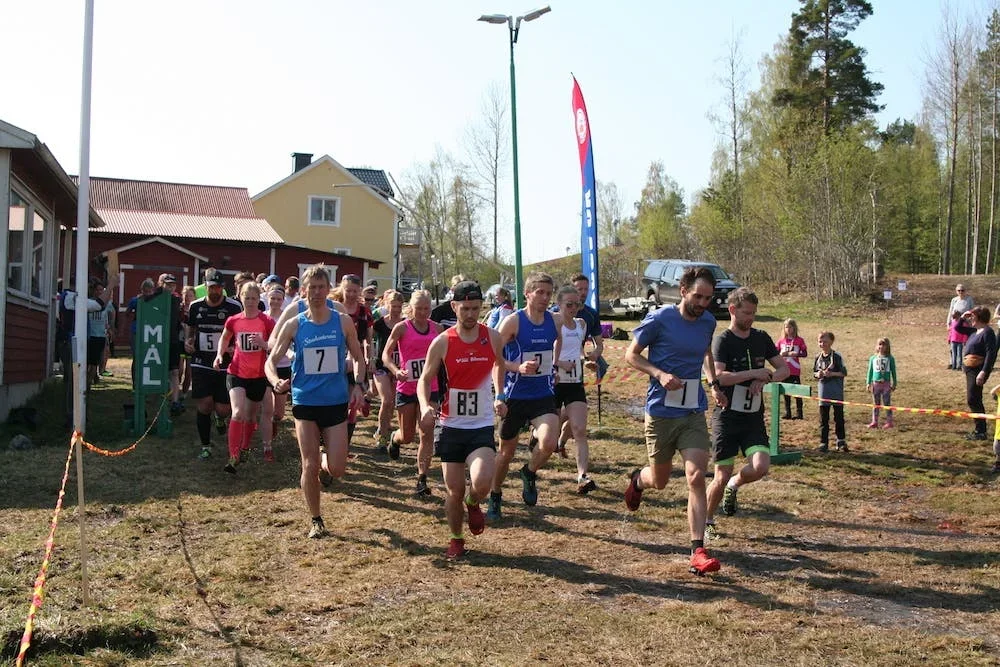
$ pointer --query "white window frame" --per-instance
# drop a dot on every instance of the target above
(47, 284)
(323, 223)
(331, 270)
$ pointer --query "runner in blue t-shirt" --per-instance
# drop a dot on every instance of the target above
(679, 340)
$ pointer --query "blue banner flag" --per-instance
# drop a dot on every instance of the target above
(588, 218)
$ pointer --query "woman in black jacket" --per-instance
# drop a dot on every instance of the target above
(979, 355)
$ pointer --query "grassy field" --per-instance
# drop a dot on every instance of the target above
(888, 555)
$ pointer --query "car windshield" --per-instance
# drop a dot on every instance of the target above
(718, 272)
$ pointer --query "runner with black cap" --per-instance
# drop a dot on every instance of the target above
(470, 355)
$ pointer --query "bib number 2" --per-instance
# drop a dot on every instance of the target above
(685, 397)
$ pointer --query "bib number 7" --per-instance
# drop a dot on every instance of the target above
(321, 360)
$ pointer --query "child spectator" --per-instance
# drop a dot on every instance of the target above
(792, 348)
(881, 380)
(995, 392)
(830, 370)
(956, 340)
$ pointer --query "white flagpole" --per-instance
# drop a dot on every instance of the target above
(82, 263)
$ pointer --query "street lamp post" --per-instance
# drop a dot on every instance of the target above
(514, 27)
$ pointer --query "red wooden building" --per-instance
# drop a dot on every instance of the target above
(176, 228)
(38, 203)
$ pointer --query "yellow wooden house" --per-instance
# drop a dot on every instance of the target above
(325, 206)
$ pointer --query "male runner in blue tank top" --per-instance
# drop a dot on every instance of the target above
(321, 384)
(531, 333)
(679, 340)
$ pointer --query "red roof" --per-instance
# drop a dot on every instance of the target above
(130, 195)
(180, 225)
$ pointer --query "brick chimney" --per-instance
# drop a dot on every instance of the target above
(302, 160)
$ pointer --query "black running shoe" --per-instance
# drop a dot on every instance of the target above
(529, 493)
(422, 488)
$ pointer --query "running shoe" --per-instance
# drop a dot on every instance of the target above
(176, 408)
(702, 563)
(318, 529)
(231, 466)
(206, 453)
(888, 425)
(711, 532)
(996, 467)
(873, 425)
(729, 505)
(220, 425)
(269, 455)
(975, 435)
(325, 478)
(422, 488)
(633, 494)
(477, 521)
(842, 446)
(366, 407)
(493, 506)
(529, 493)
(107, 373)
(561, 450)
(394, 450)
(585, 485)
(456, 549)
(823, 448)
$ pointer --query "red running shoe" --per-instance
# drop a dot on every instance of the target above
(456, 549)
(269, 455)
(633, 494)
(702, 563)
(477, 520)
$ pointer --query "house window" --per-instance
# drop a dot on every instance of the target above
(324, 211)
(29, 268)
(19, 212)
(342, 251)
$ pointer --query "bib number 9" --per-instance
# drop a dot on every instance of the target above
(684, 397)
(743, 400)
(321, 360)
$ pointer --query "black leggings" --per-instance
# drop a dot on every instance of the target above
(793, 379)
(974, 397)
(824, 422)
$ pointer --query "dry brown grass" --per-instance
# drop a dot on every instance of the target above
(887, 555)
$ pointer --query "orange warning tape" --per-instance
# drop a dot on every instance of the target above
(39, 589)
(127, 450)
(919, 411)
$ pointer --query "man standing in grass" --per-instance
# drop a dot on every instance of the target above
(470, 354)
(740, 353)
(679, 339)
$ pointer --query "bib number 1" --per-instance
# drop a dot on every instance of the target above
(685, 397)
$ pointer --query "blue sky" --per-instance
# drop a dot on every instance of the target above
(222, 92)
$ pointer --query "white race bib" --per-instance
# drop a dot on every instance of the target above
(467, 402)
(686, 397)
(416, 368)
(544, 359)
(575, 374)
(743, 400)
(321, 360)
(209, 341)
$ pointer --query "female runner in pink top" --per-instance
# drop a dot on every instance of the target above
(245, 378)
(411, 338)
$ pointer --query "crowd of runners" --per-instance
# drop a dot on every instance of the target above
(467, 393)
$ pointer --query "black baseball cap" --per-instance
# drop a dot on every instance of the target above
(467, 290)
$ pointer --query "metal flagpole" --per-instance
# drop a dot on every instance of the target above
(82, 263)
